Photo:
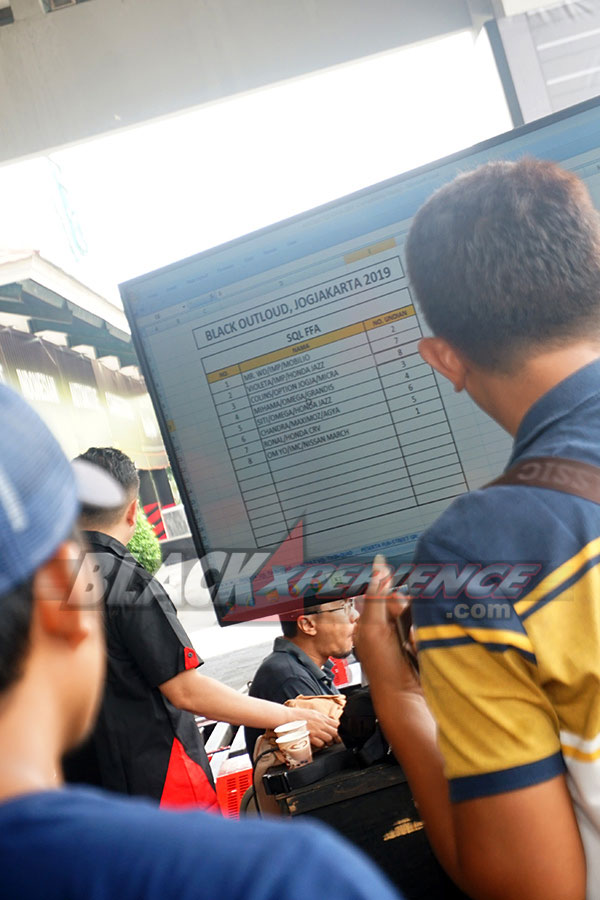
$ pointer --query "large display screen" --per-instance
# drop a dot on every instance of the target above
(306, 432)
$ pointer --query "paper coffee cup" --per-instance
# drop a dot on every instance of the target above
(292, 736)
(289, 727)
(296, 748)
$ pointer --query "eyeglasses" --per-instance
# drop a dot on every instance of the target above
(348, 606)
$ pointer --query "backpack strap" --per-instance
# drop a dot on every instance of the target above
(556, 474)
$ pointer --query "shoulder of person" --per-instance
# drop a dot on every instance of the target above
(284, 665)
(186, 854)
(115, 557)
(143, 574)
(128, 578)
(501, 521)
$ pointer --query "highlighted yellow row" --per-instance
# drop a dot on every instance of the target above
(322, 340)
(389, 318)
(222, 374)
(370, 251)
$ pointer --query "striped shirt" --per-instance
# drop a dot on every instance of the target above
(513, 676)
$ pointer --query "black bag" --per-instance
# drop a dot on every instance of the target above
(360, 730)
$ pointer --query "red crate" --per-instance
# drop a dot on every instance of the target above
(233, 780)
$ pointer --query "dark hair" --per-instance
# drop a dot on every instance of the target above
(122, 470)
(289, 627)
(289, 621)
(16, 608)
(506, 259)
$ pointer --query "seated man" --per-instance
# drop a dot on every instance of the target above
(299, 663)
(83, 843)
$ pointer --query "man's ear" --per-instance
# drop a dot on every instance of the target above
(60, 614)
(445, 359)
(131, 512)
(306, 625)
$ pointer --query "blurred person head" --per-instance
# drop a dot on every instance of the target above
(51, 635)
(505, 265)
(119, 523)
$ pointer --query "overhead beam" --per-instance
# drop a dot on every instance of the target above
(99, 66)
(77, 334)
(13, 291)
(45, 310)
(34, 289)
(42, 324)
(82, 315)
(31, 306)
(7, 306)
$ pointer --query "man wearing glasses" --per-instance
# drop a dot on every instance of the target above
(300, 661)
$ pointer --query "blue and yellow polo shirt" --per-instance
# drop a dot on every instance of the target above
(513, 676)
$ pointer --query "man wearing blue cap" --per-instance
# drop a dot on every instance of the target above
(79, 843)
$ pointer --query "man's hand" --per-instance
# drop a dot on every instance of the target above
(376, 638)
(323, 729)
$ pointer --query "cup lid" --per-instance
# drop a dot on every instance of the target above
(296, 725)
(292, 737)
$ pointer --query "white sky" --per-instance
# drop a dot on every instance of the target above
(150, 195)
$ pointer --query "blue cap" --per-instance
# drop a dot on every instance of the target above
(40, 491)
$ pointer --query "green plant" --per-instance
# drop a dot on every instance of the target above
(145, 546)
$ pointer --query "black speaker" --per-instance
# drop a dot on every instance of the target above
(374, 809)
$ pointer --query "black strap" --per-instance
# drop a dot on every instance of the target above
(556, 474)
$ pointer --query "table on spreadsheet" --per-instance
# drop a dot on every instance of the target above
(337, 428)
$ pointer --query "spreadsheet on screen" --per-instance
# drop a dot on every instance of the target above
(286, 371)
